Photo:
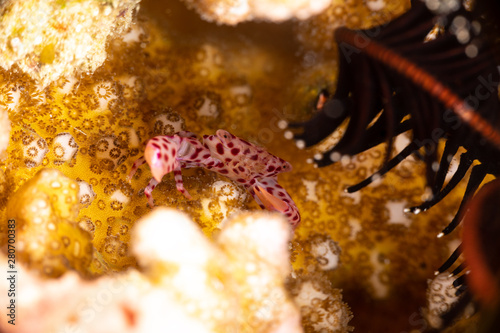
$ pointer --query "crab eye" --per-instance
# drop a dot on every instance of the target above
(225, 136)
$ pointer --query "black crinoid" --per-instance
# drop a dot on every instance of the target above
(393, 79)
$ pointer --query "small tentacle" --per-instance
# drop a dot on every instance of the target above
(331, 116)
(463, 167)
(477, 175)
(407, 151)
(459, 281)
(450, 149)
(458, 308)
(451, 260)
(458, 270)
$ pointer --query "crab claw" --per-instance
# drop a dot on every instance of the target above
(153, 157)
(270, 201)
(160, 158)
(271, 196)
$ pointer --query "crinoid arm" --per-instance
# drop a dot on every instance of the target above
(393, 79)
(390, 76)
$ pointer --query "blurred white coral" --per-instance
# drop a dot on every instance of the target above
(236, 11)
(235, 283)
(49, 38)
(189, 284)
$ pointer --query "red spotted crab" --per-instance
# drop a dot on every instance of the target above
(251, 166)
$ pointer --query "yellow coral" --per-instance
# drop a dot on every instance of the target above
(320, 304)
(50, 38)
(48, 239)
(4, 136)
(317, 32)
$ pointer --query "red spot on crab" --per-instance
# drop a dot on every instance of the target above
(196, 153)
(220, 148)
(235, 151)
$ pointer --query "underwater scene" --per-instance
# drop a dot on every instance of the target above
(249, 166)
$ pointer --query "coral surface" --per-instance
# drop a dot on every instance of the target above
(49, 240)
(48, 38)
(317, 32)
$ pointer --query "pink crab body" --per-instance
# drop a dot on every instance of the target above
(250, 165)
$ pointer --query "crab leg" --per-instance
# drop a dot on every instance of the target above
(269, 201)
(140, 161)
(272, 196)
(251, 190)
(179, 184)
(148, 190)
